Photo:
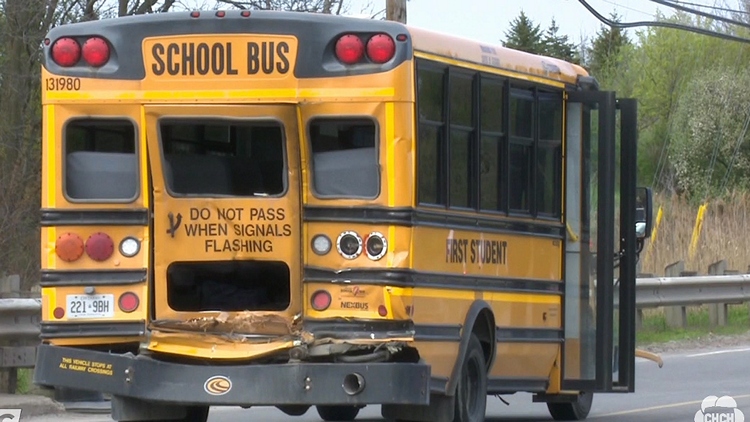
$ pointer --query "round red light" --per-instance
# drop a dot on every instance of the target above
(195, 14)
(381, 48)
(96, 51)
(220, 14)
(69, 247)
(382, 310)
(321, 300)
(128, 302)
(58, 313)
(350, 49)
(100, 246)
(66, 52)
(245, 13)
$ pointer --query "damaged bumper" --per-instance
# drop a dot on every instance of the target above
(148, 379)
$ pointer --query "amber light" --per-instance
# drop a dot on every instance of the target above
(69, 247)
(128, 302)
(320, 300)
(100, 246)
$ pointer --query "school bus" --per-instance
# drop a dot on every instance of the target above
(256, 208)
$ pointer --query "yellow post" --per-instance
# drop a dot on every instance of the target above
(697, 230)
(654, 232)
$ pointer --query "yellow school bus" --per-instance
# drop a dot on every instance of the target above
(248, 208)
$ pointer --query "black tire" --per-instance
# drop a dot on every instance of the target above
(338, 413)
(294, 410)
(471, 390)
(577, 410)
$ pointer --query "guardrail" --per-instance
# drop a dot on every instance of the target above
(19, 318)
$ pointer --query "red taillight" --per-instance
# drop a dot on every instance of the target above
(350, 49)
(66, 52)
(100, 246)
(96, 51)
(58, 313)
(128, 302)
(69, 247)
(382, 311)
(321, 300)
(381, 48)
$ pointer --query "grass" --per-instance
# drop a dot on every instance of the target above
(656, 330)
(25, 384)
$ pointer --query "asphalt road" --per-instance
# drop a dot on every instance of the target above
(673, 393)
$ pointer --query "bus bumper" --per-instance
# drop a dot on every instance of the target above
(144, 378)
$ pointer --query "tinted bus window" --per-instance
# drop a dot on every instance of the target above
(344, 158)
(222, 158)
(100, 160)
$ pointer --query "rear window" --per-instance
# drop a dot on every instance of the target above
(344, 158)
(100, 160)
(223, 158)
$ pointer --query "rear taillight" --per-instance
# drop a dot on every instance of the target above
(99, 246)
(350, 49)
(58, 313)
(381, 48)
(128, 302)
(69, 247)
(66, 52)
(349, 245)
(376, 246)
(96, 51)
(320, 300)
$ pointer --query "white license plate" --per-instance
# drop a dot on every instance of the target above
(91, 306)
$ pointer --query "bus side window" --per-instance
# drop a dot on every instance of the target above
(345, 159)
(100, 160)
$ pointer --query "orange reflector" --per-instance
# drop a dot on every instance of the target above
(69, 247)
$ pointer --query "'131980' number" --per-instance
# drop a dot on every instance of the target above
(63, 84)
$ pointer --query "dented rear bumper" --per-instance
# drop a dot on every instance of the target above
(145, 378)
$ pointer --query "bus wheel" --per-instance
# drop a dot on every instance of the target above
(338, 413)
(196, 414)
(576, 410)
(471, 390)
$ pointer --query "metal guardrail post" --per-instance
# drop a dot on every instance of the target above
(676, 315)
(717, 312)
(19, 336)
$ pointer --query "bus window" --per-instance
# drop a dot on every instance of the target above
(100, 160)
(521, 149)
(344, 158)
(461, 128)
(491, 169)
(549, 155)
(217, 158)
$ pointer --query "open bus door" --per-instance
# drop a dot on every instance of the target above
(602, 244)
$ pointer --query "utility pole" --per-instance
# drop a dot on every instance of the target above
(395, 10)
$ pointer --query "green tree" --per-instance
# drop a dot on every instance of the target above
(524, 35)
(559, 46)
(604, 53)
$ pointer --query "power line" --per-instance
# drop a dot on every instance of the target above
(661, 24)
(700, 13)
(705, 6)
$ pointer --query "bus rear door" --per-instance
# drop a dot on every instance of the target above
(226, 226)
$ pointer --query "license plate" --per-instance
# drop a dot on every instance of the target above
(91, 306)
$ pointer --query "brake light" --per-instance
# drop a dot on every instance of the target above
(69, 247)
(100, 246)
(381, 48)
(350, 49)
(66, 52)
(128, 302)
(320, 300)
(96, 51)
(58, 313)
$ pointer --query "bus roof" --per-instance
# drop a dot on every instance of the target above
(462, 49)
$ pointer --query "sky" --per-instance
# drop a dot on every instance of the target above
(488, 20)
